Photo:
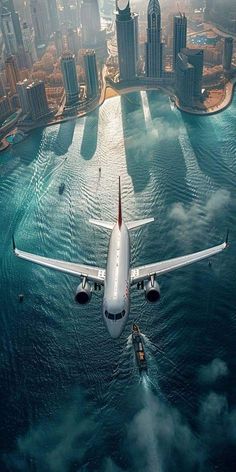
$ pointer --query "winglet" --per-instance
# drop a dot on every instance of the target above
(120, 207)
(227, 238)
(13, 243)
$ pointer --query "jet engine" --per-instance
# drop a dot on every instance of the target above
(83, 293)
(152, 291)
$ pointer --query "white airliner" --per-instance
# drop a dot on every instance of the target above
(118, 277)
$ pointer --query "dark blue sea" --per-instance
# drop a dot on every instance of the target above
(71, 397)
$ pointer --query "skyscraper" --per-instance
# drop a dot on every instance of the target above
(90, 23)
(179, 36)
(184, 80)
(91, 72)
(8, 32)
(228, 53)
(29, 46)
(37, 100)
(153, 44)
(16, 22)
(195, 58)
(23, 99)
(53, 15)
(39, 14)
(70, 79)
(126, 29)
(12, 73)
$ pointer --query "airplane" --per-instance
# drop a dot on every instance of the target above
(118, 277)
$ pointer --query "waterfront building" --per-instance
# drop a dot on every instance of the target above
(184, 80)
(53, 15)
(39, 14)
(90, 23)
(12, 73)
(195, 58)
(179, 36)
(228, 53)
(154, 47)
(126, 30)
(91, 72)
(70, 79)
(8, 33)
(22, 94)
(37, 100)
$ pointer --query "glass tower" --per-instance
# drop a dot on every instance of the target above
(179, 36)
(91, 72)
(153, 44)
(70, 79)
(127, 41)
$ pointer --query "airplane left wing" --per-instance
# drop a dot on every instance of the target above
(144, 272)
(94, 274)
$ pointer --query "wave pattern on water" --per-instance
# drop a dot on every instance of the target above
(71, 397)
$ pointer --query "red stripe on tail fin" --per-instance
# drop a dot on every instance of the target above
(120, 208)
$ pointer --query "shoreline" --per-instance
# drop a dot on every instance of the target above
(114, 92)
(229, 94)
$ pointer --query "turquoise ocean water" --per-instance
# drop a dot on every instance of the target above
(71, 397)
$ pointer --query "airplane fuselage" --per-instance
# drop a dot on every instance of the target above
(116, 299)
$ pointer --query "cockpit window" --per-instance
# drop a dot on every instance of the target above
(116, 316)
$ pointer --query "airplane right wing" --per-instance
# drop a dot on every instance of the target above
(144, 272)
(94, 274)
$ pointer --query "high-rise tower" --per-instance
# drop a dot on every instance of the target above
(126, 32)
(228, 53)
(16, 22)
(12, 73)
(154, 44)
(70, 79)
(8, 32)
(37, 100)
(91, 72)
(39, 13)
(53, 15)
(90, 23)
(179, 36)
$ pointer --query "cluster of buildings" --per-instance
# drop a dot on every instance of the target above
(73, 29)
(187, 63)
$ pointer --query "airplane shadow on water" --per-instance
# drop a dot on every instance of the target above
(135, 140)
(65, 137)
(89, 141)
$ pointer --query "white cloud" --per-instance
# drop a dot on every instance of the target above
(211, 372)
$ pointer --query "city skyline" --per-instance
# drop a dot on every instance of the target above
(146, 42)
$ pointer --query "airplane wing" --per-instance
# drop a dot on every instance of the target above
(95, 274)
(144, 272)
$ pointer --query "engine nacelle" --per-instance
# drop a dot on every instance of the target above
(152, 291)
(83, 293)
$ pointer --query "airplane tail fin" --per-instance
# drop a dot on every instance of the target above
(138, 223)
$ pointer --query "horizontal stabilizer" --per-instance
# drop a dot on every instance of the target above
(138, 223)
(102, 224)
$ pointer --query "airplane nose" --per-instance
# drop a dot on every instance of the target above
(115, 329)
